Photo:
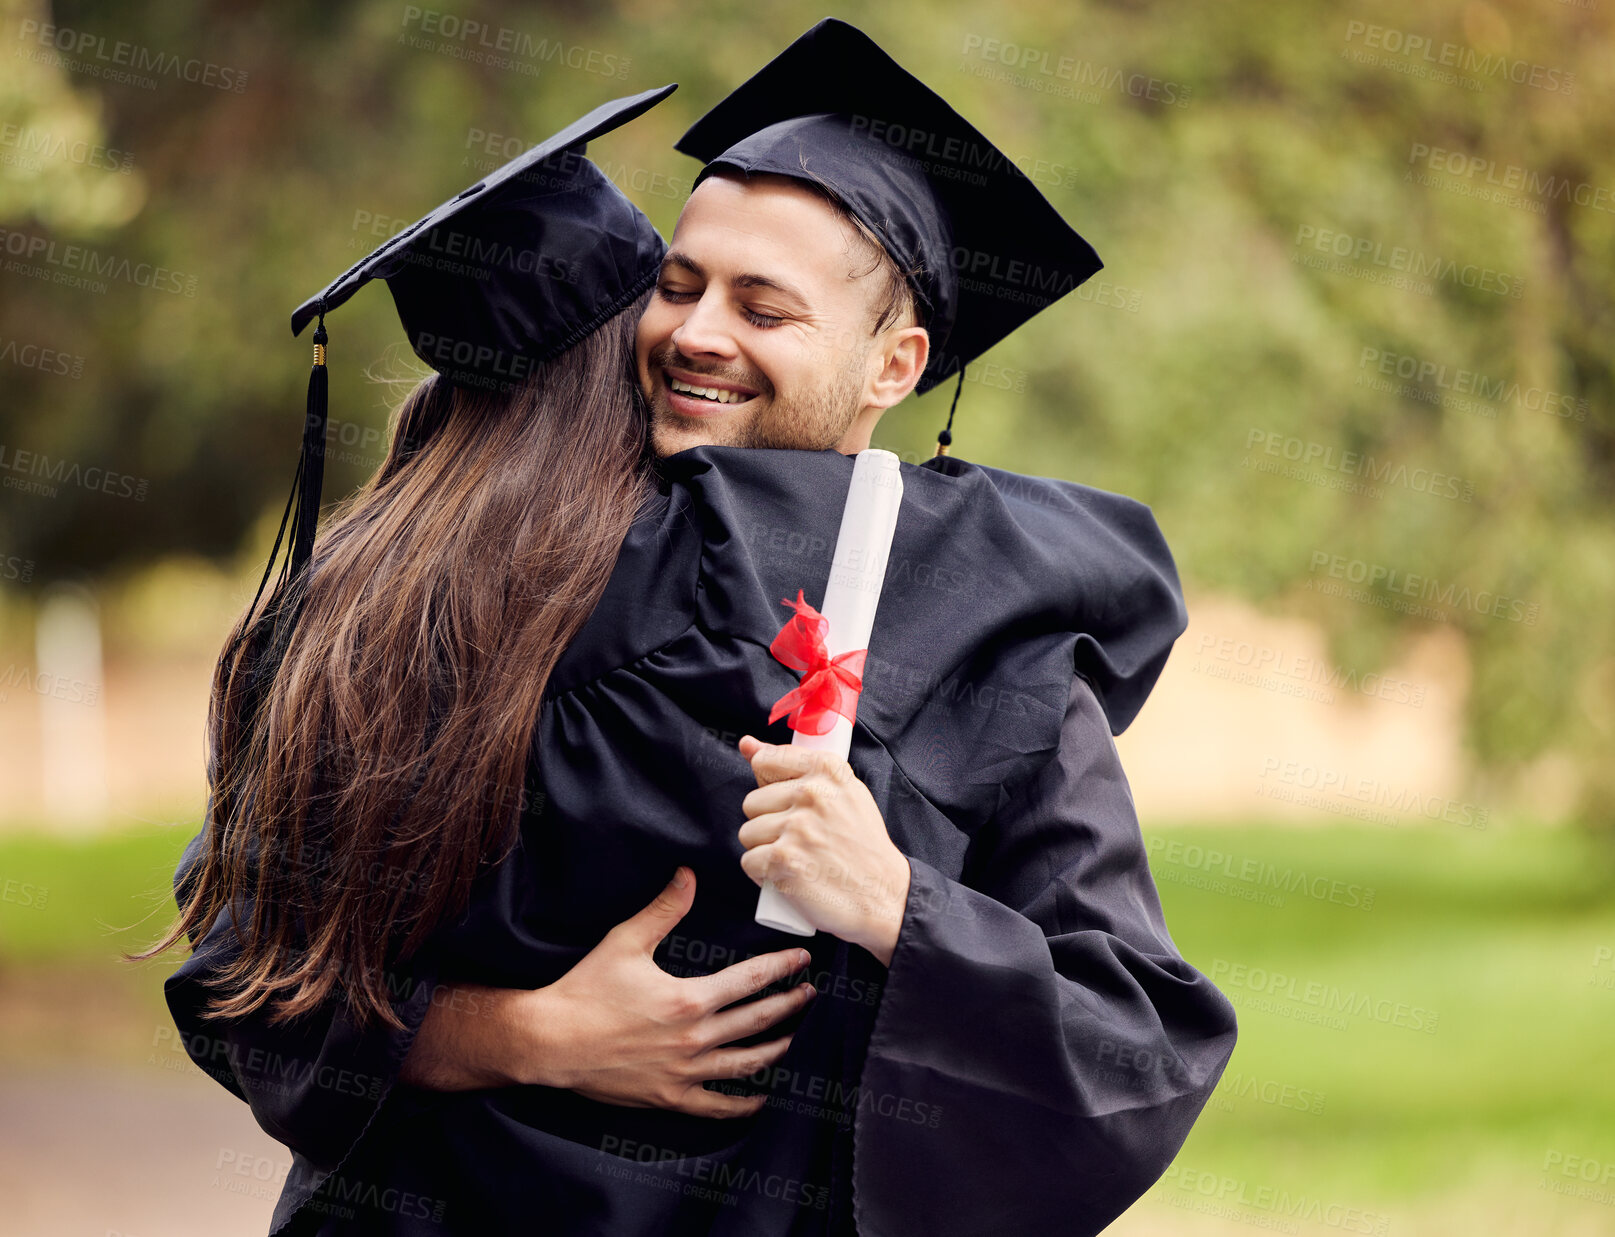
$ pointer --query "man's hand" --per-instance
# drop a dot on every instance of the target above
(814, 830)
(616, 1027)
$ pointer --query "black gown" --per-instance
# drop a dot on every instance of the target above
(1038, 1049)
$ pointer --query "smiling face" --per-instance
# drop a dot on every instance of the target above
(759, 333)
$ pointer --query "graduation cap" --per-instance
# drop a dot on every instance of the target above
(502, 277)
(836, 110)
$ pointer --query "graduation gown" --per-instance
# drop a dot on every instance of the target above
(1038, 1049)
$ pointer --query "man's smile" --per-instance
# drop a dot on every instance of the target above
(697, 395)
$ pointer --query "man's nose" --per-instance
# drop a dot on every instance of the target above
(704, 329)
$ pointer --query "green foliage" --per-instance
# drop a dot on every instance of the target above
(1207, 151)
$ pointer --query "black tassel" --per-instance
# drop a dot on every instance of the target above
(302, 506)
(311, 467)
(944, 440)
(303, 509)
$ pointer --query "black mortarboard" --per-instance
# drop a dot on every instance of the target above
(835, 109)
(503, 276)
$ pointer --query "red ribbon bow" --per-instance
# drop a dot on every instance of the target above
(829, 685)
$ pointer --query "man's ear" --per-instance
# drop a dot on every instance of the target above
(901, 358)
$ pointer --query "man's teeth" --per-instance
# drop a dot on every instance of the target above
(712, 393)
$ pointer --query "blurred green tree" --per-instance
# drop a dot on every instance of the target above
(1371, 246)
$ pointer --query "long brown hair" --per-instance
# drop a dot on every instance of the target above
(361, 776)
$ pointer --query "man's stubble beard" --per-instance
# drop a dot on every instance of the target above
(814, 423)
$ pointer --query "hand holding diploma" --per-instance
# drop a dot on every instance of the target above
(829, 648)
(814, 832)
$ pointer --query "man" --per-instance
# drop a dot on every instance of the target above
(781, 320)
(1037, 1049)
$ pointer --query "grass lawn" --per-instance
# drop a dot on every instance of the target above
(81, 900)
(1426, 1015)
(1471, 1075)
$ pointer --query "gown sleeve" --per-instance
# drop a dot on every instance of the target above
(1041, 1048)
(313, 1083)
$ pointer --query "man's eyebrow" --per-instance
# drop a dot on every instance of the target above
(745, 280)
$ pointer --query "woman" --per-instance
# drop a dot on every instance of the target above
(514, 637)
(400, 667)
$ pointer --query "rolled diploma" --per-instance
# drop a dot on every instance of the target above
(857, 572)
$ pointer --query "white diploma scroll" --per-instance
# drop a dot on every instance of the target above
(856, 574)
